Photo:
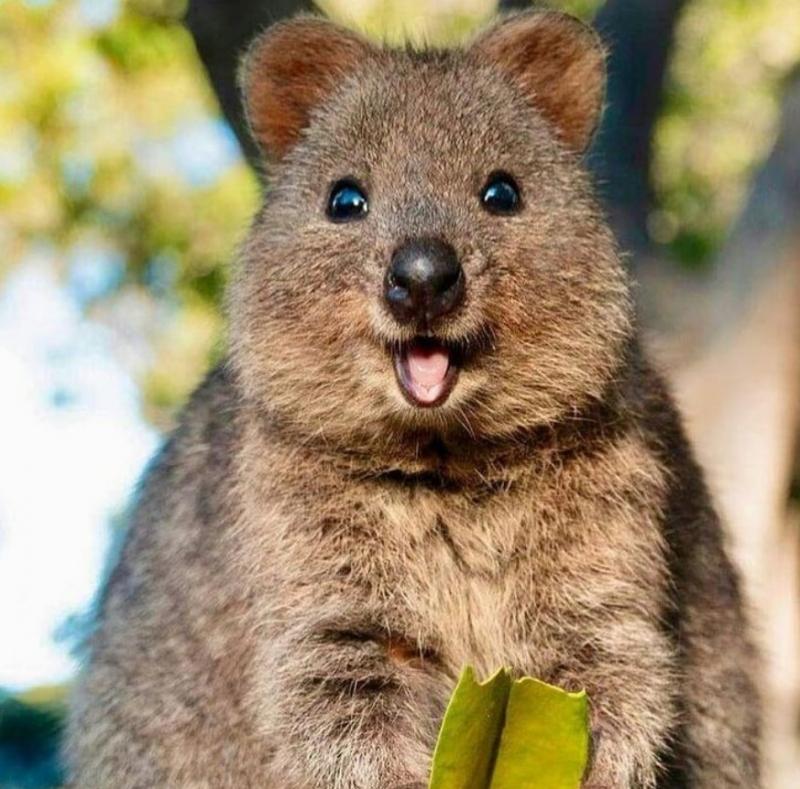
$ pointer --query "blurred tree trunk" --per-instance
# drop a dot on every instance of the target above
(734, 356)
(730, 340)
(639, 35)
(222, 30)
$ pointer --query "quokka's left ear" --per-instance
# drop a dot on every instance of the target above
(559, 65)
(289, 71)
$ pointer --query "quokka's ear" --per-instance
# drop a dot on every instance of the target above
(559, 65)
(289, 70)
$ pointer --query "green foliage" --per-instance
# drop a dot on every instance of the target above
(719, 118)
(584, 9)
(506, 734)
(413, 20)
(102, 166)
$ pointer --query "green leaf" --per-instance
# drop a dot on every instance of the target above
(470, 733)
(545, 740)
(504, 734)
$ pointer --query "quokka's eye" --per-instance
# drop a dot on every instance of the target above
(501, 194)
(347, 202)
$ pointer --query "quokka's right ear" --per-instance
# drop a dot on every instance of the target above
(289, 70)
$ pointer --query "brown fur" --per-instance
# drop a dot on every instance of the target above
(313, 560)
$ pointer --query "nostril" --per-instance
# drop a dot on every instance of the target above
(396, 292)
(449, 279)
(399, 277)
(398, 296)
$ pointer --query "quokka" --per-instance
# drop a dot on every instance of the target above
(435, 441)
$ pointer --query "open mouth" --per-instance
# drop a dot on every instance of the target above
(426, 370)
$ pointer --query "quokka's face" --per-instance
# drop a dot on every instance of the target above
(428, 259)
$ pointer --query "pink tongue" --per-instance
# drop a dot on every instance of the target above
(427, 369)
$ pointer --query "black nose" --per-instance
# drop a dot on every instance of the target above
(424, 281)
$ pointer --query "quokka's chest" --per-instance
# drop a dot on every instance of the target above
(518, 575)
(513, 579)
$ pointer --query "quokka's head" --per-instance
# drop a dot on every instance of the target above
(428, 260)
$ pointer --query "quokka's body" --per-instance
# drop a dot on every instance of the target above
(435, 443)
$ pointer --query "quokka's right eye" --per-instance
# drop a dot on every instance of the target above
(347, 201)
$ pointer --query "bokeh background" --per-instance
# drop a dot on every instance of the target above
(124, 190)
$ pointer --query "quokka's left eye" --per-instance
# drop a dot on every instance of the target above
(347, 201)
(501, 194)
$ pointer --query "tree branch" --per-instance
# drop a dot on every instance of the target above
(222, 29)
(639, 34)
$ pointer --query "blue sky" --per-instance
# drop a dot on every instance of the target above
(73, 444)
